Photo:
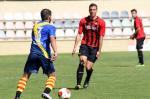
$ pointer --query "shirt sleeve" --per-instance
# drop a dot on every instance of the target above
(137, 23)
(80, 30)
(102, 28)
(52, 31)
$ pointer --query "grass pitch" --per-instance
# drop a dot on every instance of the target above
(115, 76)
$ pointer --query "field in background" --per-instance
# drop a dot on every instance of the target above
(115, 77)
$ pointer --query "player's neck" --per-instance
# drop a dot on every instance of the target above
(46, 21)
(135, 17)
(93, 18)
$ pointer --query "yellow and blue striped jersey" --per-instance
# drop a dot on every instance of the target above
(41, 33)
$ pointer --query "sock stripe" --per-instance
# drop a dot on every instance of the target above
(20, 88)
(25, 79)
(52, 78)
(50, 82)
(20, 85)
(22, 81)
(23, 84)
(52, 85)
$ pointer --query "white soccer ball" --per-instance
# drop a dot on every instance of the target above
(64, 93)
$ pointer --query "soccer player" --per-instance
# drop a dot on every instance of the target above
(139, 35)
(43, 35)
(93, 29)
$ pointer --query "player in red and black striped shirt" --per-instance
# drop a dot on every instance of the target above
(139, 35)
(93, 29)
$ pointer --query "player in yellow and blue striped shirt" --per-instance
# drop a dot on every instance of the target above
(43, 35)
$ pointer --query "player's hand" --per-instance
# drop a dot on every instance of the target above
(98, 54)
(54, 57)
(132, 37)
(74, 51)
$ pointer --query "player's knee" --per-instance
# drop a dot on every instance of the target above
(52, 74)
(139, 49)
(88, 67)
(83, 61)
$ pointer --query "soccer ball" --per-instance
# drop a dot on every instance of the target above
(64, 93)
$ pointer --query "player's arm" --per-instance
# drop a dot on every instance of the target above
(77, 40)
(100, 44)
(78, 37)
(137, 24)
(54, 47)
(136, 31)
(101, 33)
(52, 37)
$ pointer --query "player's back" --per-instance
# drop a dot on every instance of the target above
(41, 38)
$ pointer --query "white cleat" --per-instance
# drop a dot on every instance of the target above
(140, 65)
(46, 96)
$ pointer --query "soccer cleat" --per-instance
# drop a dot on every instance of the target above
(140, 65)
(46, 96)
(77, 87)
(86, 84)
(16, 98)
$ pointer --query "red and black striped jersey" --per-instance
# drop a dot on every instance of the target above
(138, 24)
(92, 30)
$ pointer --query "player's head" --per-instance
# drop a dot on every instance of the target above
(46, 15)
(134, 13)
(92, 9)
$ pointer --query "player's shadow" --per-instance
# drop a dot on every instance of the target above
(70, 88)
(120, 66)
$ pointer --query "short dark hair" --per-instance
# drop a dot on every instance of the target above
(134, 10)
(45, 13)
(92, 4)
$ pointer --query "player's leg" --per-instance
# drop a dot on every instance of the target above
(89, 71)
(22, 84)
(90, 62)
(31, 66)
(80, 71)
(140, 56)
(140, 52)
(83, 52)
(50, 83)
(49, 70)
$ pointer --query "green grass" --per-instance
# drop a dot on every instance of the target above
(115, 77)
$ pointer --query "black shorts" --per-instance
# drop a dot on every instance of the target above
(89, 52)
(139, 43)
(35, 61)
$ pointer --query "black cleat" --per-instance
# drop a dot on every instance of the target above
(86, 84)
(77, 87)
(16, 98)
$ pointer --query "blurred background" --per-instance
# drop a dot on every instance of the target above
(17, 18)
